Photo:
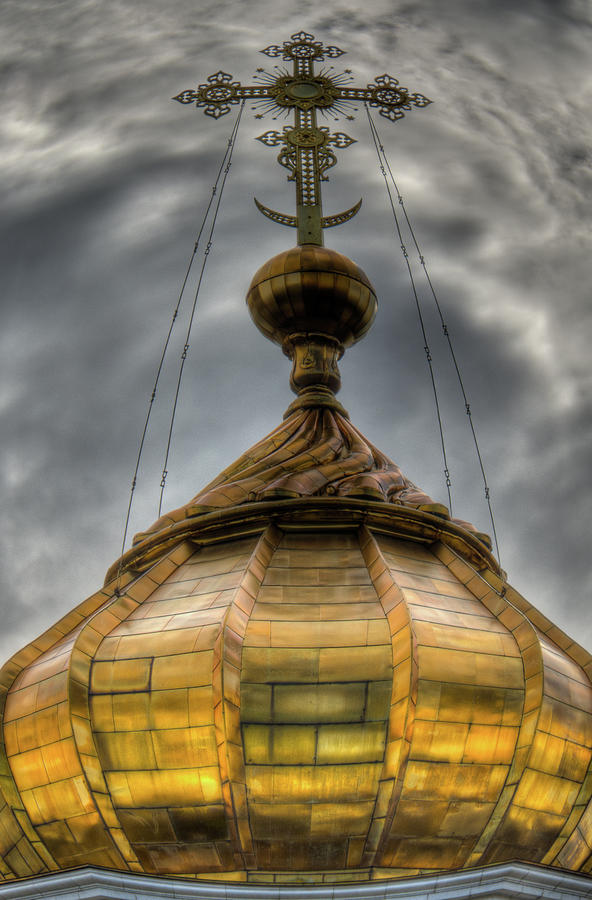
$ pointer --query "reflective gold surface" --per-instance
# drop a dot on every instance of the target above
(337, 702)
(308, 673)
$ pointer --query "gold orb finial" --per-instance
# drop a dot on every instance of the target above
(315, 303)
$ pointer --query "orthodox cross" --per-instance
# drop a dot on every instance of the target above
(307, 149)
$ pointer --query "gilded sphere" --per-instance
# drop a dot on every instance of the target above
(311, 289)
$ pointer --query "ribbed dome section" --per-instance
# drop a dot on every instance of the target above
(300, 696)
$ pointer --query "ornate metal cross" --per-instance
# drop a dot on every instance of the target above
(307, 149)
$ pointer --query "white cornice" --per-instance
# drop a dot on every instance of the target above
(507, 880)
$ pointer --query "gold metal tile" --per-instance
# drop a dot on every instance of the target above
(356, 663)
(256, 702)
(433, 568)
(428, 852)
(88, 829)
(280, 821)
(60, 759)
(490, 744)
(316, 576)
(316, 595)
(469, 703)
(536, 831)
(141, 626)
(439, 741)
(461, 781)
(558, 660)
(404, 550)
(28, 770)
(169, 709)
(218, 583)
(171, 787)
(319, 783)
(379, 698)
(312, 703)
(120, 676)
(560, 719)
(121, 712)
(125, 750)
(147, 825)
(303, 540)
(351, 743)
(280, 744)
(177, 858)
(206, 638)
(181, 670)
(52, 690)
(465, 605)
(63, 799)
(567, 690)
(158, 644)
(319, 557)
(33, 731)
(347, 819)
(197, 824)
(258, 633)
(295, 856)
(441, 818)
(200, 706)
(119, 789)
(185, 747)
(264, 665)
(547, 793)
(433, 634)
(180, 605)
(107, 649)
(469, 668)
(310, 612)
(324, 634)
(45, 667)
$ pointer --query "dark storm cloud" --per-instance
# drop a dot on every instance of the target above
(106, 181)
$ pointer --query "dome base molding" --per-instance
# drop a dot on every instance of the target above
(486, 883)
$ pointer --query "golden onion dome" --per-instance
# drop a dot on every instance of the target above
(307, 673)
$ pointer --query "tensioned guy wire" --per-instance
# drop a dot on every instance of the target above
(231, 144)
(385, 168)
(426, 346)
(223, 164)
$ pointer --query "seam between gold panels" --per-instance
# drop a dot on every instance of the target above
(403, 697)
(98, 626)
(226, 687)
(526, 638)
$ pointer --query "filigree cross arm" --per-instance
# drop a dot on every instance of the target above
(307, 149)
(219, 93)
(391, 99)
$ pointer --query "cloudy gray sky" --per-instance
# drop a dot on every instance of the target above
(105, 183)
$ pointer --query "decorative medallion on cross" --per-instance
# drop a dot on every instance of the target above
(307, 150)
